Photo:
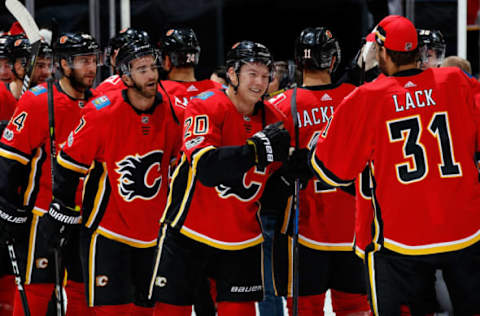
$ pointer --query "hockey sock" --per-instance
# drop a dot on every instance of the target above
(236, 309)
(142, 311)
(162, 309)
(38, 296)
(308, 305)
(7, 295)
(112, 310)
(77, 301)
(345, 304)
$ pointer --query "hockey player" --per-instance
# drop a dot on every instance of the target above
(210, 226)
(20, 50)
(123, 37)
(180, 51)
(326, 222)
(126, 166)
(26, 184)
(432, 48)
(417, 135)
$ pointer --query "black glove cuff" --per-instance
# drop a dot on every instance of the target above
(63, 214)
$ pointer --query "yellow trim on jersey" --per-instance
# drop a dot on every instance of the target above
(124, 239)
(31, 248)
(432, 248)
(191, 176)
(98, 197)
(157, 260)
(31, 177)
(71, 166)
(360, 253)
(371, 278)
(323, 245)
(221, 244)
(286, 215)
(91, 269)
(290, 267)
(321, 174)
(174, 176)
(39, 211)
(14, 156)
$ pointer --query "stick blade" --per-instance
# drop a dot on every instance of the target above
(21, 14)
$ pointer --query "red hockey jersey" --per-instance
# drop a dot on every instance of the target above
(326, 218)
(26, 139)
(126, 154)
(7, 103)
(111, 83)
(222, 216)
(421, 131)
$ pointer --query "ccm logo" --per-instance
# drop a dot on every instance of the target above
(101, 280)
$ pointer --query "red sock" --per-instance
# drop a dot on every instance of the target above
(142, 311)
(77, 301)
(236, 309)
(38, 296)
(344, 304)
(112, 310)
(7, 295)
(162, 309)
(308, 305)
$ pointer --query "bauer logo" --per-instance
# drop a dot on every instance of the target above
(101, 102)
(246, 289)
(160, 281)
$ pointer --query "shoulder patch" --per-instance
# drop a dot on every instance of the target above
(101, 102)
(204, 95)
(37, 90)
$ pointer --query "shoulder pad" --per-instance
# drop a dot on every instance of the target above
(204, 95)
(37, 90)
(101, 102)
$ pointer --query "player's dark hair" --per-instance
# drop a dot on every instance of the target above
(403, 58)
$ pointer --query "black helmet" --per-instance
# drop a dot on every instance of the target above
(431, 40)
(248, 52)
(4, 46)
(131, 51)
(71, 44)
(315, 48)
(182, 46)
(121, 38)
(19, 48)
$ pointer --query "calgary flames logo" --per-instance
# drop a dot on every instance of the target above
(140, 176)
(242, 191)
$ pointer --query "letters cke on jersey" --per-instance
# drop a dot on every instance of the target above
(140, 176)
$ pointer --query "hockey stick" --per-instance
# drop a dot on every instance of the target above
(293, 106)
(28, 24)
(18, 278)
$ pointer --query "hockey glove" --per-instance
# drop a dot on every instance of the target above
(271, 144)
(297, 167)
(56, 225)
(12, 222)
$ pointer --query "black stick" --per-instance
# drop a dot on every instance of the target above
(18, 278)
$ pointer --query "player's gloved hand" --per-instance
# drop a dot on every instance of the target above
(12, 222)
(56, 225)
(271, 144)
(367, 55)
(297, 167)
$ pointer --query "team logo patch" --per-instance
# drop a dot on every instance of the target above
(204, 95)
(37, 90)
(160, 281)
(145, 119)
(63, 39)
(194, 142)
(41, 263)
(101, 280)
(169, 32)
(101, 102)
(408, 46)
(140, 176)
(7, 134)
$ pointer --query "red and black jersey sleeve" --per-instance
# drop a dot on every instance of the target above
(7, 103)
